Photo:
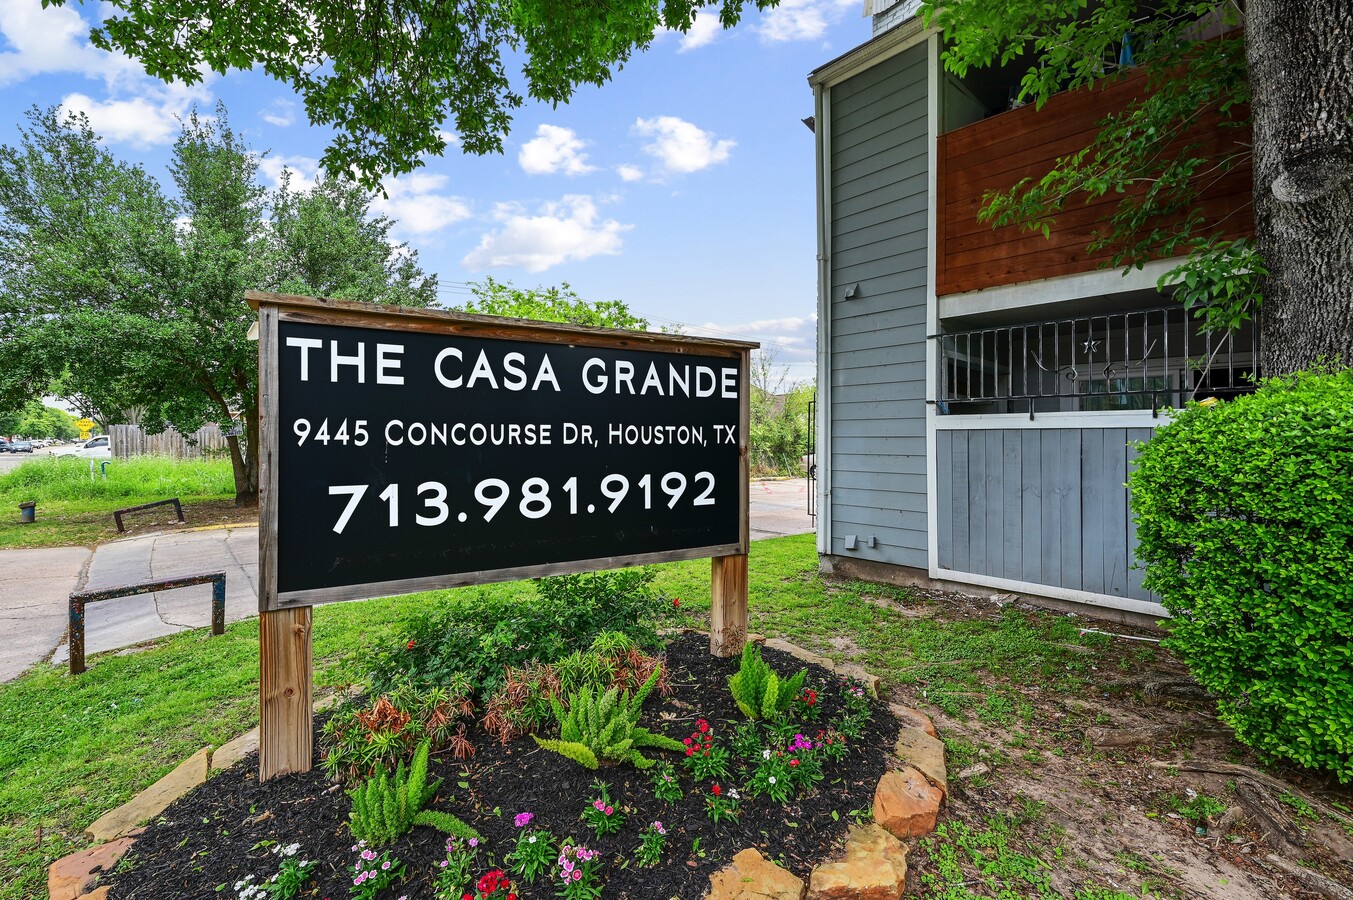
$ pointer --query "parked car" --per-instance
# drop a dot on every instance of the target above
(4, 446)
(21, 447)
(96, 448)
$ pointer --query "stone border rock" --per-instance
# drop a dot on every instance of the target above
(74, 877)
(907, 802)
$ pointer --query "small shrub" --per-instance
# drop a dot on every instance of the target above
(758, 691)
(360, 741)
(385, 808)
(1243, 525)
(604, 727)
(482, 636)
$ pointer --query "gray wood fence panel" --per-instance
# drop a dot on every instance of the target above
(977, 502)
(1115, 527)
(130, 440)
(1069, 506)
(878, 233)
(944, 501)
(1031, 505)
(1094, 485)
(1135, 573)
(958, 510)
(1043, 506)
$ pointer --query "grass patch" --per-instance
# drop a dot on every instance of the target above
(73, 748)
(74, 509)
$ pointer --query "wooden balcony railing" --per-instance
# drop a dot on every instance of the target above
(995, 153)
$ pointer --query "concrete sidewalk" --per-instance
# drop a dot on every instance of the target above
(34, 588)
(110, 624)
(35, 584)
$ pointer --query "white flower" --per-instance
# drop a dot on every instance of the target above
(765, 754)
(531, 839)
(771, 779)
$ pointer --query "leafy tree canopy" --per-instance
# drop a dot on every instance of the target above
(118, 294)
(1146, 153)
(37, 420)
(387, 74)
(554, 304)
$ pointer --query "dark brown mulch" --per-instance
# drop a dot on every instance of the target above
(206, 841)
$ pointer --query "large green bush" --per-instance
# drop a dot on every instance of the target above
(480, 636)
(1244, 516)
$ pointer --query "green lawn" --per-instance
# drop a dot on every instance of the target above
(73, 748)
(75, 509)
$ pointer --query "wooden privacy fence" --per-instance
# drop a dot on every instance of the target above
(130, 440)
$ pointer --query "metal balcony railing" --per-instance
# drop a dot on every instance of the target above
(1143, 359)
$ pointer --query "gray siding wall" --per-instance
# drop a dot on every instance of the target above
(879, 160)
(1041, 505)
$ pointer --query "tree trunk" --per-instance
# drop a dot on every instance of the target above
(245, 464)
(1300, 55)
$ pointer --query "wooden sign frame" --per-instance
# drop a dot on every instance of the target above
(285, 647)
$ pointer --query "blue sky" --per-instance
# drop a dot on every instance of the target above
(684, 187)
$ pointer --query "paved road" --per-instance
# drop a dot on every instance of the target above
(35, 584)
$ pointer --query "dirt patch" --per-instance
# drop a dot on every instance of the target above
(1139, 786)
(197, 514)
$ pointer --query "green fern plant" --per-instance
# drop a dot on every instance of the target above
(597, 727)
(385, 808)
(758, 691)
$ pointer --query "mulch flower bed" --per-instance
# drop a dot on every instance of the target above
(211, 839)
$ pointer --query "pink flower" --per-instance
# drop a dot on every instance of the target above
(523, 819)
(599, 804)
(609, 810)
(577, 874)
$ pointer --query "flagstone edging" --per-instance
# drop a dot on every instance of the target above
(873, 865)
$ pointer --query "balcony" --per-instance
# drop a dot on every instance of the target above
(997, 152)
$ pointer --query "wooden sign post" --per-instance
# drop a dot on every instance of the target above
(408, 450)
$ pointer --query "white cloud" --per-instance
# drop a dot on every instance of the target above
(136, 109)
(142, 121)
(629, 173)
(703, 31)
(569, 230)
(302, 169)
(801, 20)
(450, 137)
(413, 202)
(281, 112)
(48, 41)
(789, 343)
(681, 146)
(554, 149)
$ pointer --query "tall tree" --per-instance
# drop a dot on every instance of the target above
(1292, 64)
(553, 304)
(123, 297)
(387, 74)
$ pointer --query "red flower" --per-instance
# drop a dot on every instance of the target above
(676, 602)
(793, 762)
(687, 742)
(716, 790)
(702, 725)
(690, 752)
(411, 645)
